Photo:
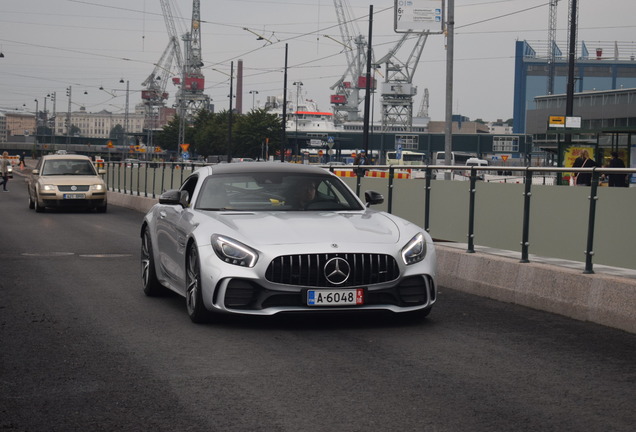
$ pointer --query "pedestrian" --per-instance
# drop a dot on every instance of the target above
(583, 161)
(361, 159)
(4, 170)
(617, 180)
(22, 164)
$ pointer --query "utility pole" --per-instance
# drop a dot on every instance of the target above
(367, 95)
(283, 138)
(569, 97)
(448, 128)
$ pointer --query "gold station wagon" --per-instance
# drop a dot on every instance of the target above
(66, 181)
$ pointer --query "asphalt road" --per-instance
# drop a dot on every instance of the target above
(82, 349)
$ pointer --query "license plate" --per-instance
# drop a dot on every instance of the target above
(335, 297)
(75, 196)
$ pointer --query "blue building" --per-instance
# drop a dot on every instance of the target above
(608, 66)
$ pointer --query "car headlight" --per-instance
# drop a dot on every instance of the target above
(415, 250)
(233, 252)
(48, 188)
(97, 187)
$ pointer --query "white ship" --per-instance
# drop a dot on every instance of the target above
(303, 118)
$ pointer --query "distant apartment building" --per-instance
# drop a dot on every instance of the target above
(16, 124)
(499, 128)
(100, 124)
(3, 128)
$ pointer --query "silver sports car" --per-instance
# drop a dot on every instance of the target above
(266, 238)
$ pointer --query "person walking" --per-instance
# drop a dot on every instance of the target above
(4, 170)
(583, 161)
(22, 163)
(617, 180)
(361, 159)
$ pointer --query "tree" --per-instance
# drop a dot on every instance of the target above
(209, 132)
(252, 130)
(168, 137)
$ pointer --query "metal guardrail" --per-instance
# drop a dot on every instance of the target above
(151, 179)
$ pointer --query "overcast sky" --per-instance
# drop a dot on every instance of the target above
(49, 45)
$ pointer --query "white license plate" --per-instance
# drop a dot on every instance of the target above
(75, 196)
(335, 297)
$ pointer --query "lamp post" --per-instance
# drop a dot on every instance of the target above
(69, 93)
(37, 109)
(253, 93)
(126, 110)
(298, 85)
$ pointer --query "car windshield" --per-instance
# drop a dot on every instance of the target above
(275, 192)
(67, 167)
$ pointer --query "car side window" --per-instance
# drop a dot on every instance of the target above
(189, 185)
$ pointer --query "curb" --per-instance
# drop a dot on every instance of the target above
(598, 298)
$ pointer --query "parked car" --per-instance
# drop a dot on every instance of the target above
(66, 181)
(269, 238)
(129, 163)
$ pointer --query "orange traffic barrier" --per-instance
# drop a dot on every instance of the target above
(373, 173)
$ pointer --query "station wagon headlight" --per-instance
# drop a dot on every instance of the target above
(415, 250)
(48, 188)
(233, 252)
(97, 187)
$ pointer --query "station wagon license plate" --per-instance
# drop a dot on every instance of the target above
(335, 297)
(74, 196)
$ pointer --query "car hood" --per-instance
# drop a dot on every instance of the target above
(277, 228)
(70, 180)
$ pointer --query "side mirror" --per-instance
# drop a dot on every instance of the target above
(174, 197)
(101, 171)
(35, 172)
(373, 197)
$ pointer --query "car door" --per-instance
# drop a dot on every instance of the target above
(174, 224)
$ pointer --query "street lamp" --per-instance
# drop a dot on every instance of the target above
(37, 109)
(253, 93)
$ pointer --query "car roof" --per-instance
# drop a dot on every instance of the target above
(65, 157)
(265, 167)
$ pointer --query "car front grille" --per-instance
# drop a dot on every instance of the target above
(310, 270)
(78, 188)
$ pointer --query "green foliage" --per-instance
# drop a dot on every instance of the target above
(251, 131)
(208, 134)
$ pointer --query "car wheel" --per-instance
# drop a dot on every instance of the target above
(194, 298)
(31, 203)
(38, 207)
(152, 287)
(102, 209)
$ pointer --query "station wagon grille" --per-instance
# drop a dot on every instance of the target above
(78, 188)
(310, 269)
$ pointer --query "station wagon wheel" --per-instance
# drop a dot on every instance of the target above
(194, 299)
(31, 203)
(38, 207)
(152, 287)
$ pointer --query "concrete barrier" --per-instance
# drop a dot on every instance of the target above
(134, 202)
(599, 298)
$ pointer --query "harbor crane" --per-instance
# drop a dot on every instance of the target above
(397, 90)
(346, 99)
(190, 97)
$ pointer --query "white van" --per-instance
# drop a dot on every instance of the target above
(476, 162)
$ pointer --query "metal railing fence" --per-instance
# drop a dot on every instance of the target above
(150, 179)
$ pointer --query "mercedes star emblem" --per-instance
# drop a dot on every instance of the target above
(337, 271)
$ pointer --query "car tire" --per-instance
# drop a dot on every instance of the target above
(39, 208)
(194, 299)
(102, 209)
(152, 286)
(31, 203)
